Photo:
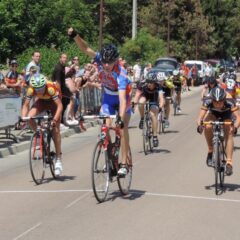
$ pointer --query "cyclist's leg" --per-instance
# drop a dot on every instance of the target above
(178, 92)
(167, 108)
(229, 143)
(154, 109)
(208, 132)
(56, 130)
(141, 102)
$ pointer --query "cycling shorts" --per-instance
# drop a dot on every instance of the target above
(110, 105)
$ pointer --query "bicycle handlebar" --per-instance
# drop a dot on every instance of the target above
(46, 117)
(99, 116)
(217, 123)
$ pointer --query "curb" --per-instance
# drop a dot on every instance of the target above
(22, 146)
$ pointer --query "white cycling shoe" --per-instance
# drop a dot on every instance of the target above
(58, 168)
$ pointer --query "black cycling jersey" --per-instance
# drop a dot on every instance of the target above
(225, 112)
(150, 95)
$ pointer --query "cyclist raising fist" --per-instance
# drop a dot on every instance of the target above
(116, 88)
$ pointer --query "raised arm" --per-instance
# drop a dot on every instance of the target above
(81, 43)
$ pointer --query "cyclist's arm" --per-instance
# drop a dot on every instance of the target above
(58, 113)
(25, 108)
(201, 116)
(169, 84)
(123, 103)
(83, 45)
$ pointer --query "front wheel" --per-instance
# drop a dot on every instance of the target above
(124, 183)
(100, 172)
(36, 158)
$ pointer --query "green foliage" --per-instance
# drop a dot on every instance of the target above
(144, 47)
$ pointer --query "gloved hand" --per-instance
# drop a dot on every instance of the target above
(200, 129)
(72, 33)
(120, 122)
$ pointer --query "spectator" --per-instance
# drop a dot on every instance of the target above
(137, 72)
(193, 74)
(146, 69)
(58, 76)
(13, 79)
(34, 66)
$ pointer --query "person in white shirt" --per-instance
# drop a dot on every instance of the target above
(137, 71)
(146, 69)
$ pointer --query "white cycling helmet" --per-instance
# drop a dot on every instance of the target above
(176, 72)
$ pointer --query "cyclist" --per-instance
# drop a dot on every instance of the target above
(167, 87)
(47, 99)
(208, 86)
(177, 80)
(116, 89)
(151, 91)
(219, 106)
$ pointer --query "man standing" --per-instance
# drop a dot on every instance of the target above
(137, 72)
(33, 65)
(58, 76)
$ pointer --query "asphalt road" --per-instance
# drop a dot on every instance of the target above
(172, 194)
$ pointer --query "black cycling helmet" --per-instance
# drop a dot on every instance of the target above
(218, 94)
(109, 53)
(151, 77)
(212, 80)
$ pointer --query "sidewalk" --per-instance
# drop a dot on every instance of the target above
(9, 147)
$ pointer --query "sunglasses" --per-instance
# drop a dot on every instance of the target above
(75, 59)
(39, 89)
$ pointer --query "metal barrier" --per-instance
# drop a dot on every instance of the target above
(90, 100)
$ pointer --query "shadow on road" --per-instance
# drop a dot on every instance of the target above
(171, 131)
(133, 195)
(227, 187)
(60, 179)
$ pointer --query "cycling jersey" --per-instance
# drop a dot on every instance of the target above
(177, 82)
(150, 95)
(113, 82)
(51, 92)
(224, 113)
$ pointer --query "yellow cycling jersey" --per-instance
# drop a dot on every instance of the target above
(51, 92)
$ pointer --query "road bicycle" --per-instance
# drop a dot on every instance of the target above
(41, 153)
(147, 131)
(105, 161)
(219, 154)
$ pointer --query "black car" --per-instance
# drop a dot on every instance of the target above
(167, 63)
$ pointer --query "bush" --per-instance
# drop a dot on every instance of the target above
(145, 47)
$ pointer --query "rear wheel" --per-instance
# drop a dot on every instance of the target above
(161, 123)
(124, 183)
(100, 172)
(36, 158)
(146, 137)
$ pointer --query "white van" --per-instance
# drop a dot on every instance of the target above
(201, 69)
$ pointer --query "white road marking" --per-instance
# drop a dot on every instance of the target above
(78, 199)
(88, 191)
(28, 231)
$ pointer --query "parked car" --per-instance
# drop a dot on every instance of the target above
(159, 70)
(201, 69)
(167, 63)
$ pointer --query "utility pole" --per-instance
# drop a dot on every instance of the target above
(168, 28)
(101, 24)
(134, 19)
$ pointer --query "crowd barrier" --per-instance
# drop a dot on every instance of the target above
(10, 109)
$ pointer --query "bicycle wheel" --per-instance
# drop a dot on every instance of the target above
(124, 183)
(36, 158)
(146, 132)
(217, 168)
(222, 164)
(100, 172)
(51, 156)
